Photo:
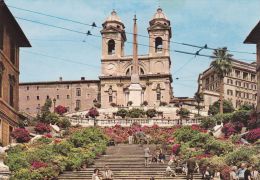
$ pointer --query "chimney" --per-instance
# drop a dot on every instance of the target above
(60, 78)
(82, 78)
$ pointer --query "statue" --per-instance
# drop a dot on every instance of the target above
(4, 169)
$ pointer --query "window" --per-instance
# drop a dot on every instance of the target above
(212, 78)
(245, 75)
(158, 92)
(1, 78)
(252, 77)
(68, 86)
(111, 47)
(230, 92)
(37, 87)
(207, 81)
(11, 95)
(27, 88)
(1, 37)
(38, 97)
(78, 104)
(158, 44)
(11, 89)
(28, 98)
(110, 98)
(58, 96)
(68, 96)
(158, 96)
(78, 92)
(48, 97)
(237, 74)
(12, 52)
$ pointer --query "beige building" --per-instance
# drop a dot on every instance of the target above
(152, 72)
(74, 95)
(153, 68)
(11, 39)
(240, 85)
(254, 38)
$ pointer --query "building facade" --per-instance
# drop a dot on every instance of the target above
(254, 38)
(116, 70)
(11, 39)
(240, 85)
(153, 68)
(74, 95)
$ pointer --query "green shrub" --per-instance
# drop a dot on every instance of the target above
(243, 154)
(208, 122)
(122, 113)
(151, 113)
(17, 161)
(185, 134)
(217, 147)
(22, 174)
(227, 107)
(64, 123)
(45, 140)
(63, 148)
(136, 113)
(241, 116)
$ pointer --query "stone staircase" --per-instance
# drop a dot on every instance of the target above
(127, 163)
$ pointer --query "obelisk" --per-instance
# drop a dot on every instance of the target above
(135, 89)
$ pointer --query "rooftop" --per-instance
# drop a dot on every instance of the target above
(254, 35)
(6, 17)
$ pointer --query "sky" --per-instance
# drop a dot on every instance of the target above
(217, 23)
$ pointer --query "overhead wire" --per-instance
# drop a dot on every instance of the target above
(88, 33)
(93, 25)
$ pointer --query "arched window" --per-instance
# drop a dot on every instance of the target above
(158, 92)
(141, 71)
(1, 78)
(158, 44)
(111, 47)
(11, 89)
(130, 70)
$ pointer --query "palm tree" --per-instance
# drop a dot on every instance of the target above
(198, 98)
(222, 66)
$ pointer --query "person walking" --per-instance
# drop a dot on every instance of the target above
(107, 174)
(95, 175)
(146, 156)
(247, 175)
(233, 173)
(255, 174)
(191, 166)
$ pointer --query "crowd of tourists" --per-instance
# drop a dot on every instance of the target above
(178, 165)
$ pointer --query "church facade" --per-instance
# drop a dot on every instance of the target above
(119, 73)
(153, 68)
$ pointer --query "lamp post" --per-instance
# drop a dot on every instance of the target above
(54, 104)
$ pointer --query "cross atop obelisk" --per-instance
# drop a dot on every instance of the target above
(135, 73)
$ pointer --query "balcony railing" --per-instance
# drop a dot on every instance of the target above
(128, 122)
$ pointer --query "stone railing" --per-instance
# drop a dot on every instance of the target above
(128, 122)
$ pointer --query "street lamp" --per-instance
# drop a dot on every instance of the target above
(54, 103)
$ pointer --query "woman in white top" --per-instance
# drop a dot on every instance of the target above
(255, 174)
(95, 175)
(233, 173)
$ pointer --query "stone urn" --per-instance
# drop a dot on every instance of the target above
(4, 169)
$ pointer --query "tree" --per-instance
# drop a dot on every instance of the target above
(227, 107)
(222, 66)
(151, 113)
(122, 113)
(198, 98)
(93, 112)
(60, 110)
(183, 113)
(247, 107)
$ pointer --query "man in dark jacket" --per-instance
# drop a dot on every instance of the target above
(191, 166)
